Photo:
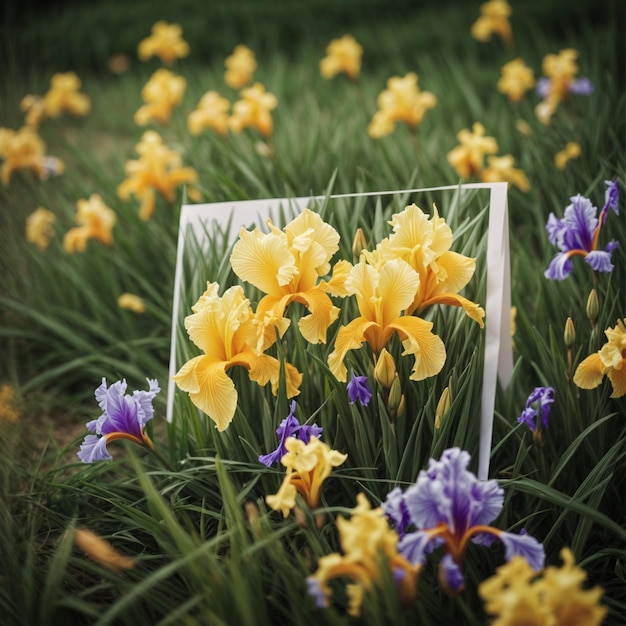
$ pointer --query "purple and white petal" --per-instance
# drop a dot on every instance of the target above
(600, 261)
(560, 267)
(523, 545)
(450, 574)
(93, 449)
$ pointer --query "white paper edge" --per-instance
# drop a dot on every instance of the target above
(498, 358)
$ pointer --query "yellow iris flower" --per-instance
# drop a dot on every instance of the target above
(424, 243)
(383, 293)
(96, 221)
(222, 328)
(287, 266)
(253, 110)
(494, 18)
(342, 55)
(500, 169)
(166, 42)
(516, 79)
(609, 361)
(211, 112)
(367, 542)
(64, 96)
(39, 227)
(468, 157)
(163, 91)
(402, 101)
(158, 169)
(308, 466)
(240, 67)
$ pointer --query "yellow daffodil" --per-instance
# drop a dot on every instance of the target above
(158, 169)
(500, 169)
(516, 79)
(308, 466)
(211, 112)
(342, 55)
(402, 101)
(563, 157)
(64, 96)
(424, 243)
(8, 413)
(96, 221)
(24, 149)
(163, 91)
(240, 67)
(166, 42)
(222, 327)
(468, 158)
(515, 595)
(368, 544)
(39, 228)
(609, 361)
(131, 302)
(253, 110)
(383, 293)
(34, 110)
(288, 266)
(494, 18)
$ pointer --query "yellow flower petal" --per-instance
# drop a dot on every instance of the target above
(349, 337)
(590, 372)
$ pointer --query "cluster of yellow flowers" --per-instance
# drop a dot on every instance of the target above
(408, 272)
(468, 159)
(515, 595)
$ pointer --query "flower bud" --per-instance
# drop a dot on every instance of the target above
(395, 394)
(101, 551)
(593, 307)
(385, 369)
(443, 406)
(359, 243)
(569, 335)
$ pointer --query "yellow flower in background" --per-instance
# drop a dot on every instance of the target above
(253, 110)
(308, 466)
(24, 149)
(288, 266)
(211, 112)
(64, 96)
(515, 595)
(222, 327)
(494, 18)
(163, 91)
(468, 158)
(8, 412)
(424, 243)
(240, 67)
(158, 170)
(131, 302)
(402, 101)
(523, 127)
(368, 544)
(516, 79)
(343, 55)
(34, 110)
(563, 157)
(383, 293)
(166, 42)
(609, 361)
(39, 229)
(101, 551)
(95, 221)
(500, 169)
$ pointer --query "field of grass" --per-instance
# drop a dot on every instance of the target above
(191, 510)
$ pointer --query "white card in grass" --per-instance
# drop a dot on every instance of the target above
(198, 220)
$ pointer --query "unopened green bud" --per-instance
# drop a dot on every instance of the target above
(593, 306)
(385, 369)
(395, 394)
(569, 336)
(443, 406)
(359, 243)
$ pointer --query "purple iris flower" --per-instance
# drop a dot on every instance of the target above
(577, 234)
(290, 427)
(359, 389)
(580, 87)
(123, 417)
(541, 398)
(448, 506)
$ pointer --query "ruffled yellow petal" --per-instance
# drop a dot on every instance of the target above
(285, 499)
(590, 372)
(323, 313)
(618, 380)
(418, 340)
(263, 260)
(397, 286)
(349, 337)
(455, 271)
(473, 310)
(209, 388)
(336, 286)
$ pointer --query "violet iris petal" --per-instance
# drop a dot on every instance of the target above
(359, 389)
